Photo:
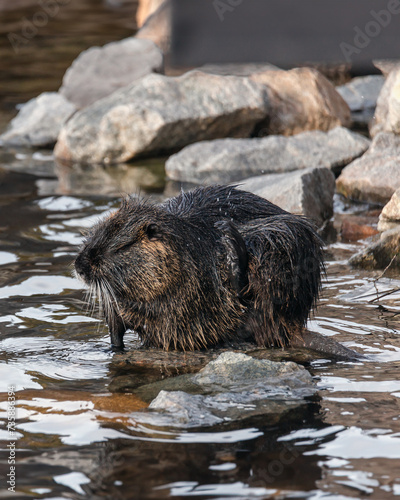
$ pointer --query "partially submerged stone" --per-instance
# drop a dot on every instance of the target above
(380, 254)
(308, 192)
(160, 113)
(100, 71)
(376, 175)
(233, 387)
(39, 121)
(231, 160)
(301, 99)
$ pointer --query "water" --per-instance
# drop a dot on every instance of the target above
(74, 435)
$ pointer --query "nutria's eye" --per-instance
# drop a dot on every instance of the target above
(153, 232)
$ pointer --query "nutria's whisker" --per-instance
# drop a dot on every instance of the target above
(209, 265)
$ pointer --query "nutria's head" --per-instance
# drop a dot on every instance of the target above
(130, 254)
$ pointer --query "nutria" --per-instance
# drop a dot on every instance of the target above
(211, 265)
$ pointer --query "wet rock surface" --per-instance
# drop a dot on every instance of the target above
(230, 160)
(160, 113)
(380, 254)
(232, 387)
(100, 71)
(376, 175)
(301, 99)
(308, 192)
(39, 121)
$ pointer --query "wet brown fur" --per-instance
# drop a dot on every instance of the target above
(206, 267)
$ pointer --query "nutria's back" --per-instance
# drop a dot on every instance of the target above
(210, 265)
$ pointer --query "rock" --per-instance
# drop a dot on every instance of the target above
(376, 175)
(237, 69)
(231, 369)
(361, 95)
(351, 231)
(99, 71)
(157, 27)
(387, 114)
(301, 99)
(39, 121)
(308, 192)
(230, 160)
(160, 113)
(234, 387)
(390, 215)
(380, 254)
(145, 9)
(386, 66)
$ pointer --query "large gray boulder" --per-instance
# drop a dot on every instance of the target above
(361, 95)
(99, 71)
(376, 175)
(308, 192)
(39, 121)
(387, 114)
(301, 99)
(160, 113)
(230, 160)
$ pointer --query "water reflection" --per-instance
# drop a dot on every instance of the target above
(76, 434)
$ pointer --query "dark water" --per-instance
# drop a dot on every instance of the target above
(75, 437)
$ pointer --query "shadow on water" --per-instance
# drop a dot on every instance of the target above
(75, 431)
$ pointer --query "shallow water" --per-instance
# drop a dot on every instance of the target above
(75, 437)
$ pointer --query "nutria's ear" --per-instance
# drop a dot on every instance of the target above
(153, 232)
(236, 255)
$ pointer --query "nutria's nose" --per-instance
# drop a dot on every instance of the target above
(83, 267)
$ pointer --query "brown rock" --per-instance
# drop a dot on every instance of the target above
(157, 27)
(145, 9)
(301, 99)
(350, 231)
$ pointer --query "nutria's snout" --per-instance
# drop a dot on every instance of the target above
(210, 265)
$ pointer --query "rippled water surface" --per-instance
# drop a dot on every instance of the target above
(75, 436)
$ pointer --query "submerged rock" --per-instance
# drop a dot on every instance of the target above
(100, 71)
(301, 99)
(160, 113)
(39, 121)
(230, 160)
(387, 114)
(380, 254)
(234, 386)
(308, 192)
(376, 175)
(390, 215)
(361, 95)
